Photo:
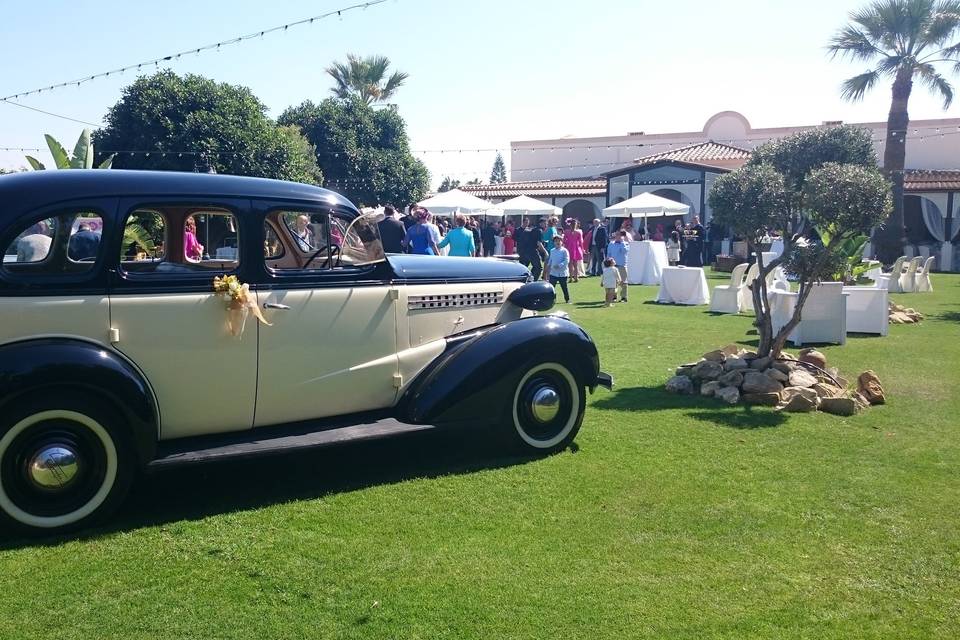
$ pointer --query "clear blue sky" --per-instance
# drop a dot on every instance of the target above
(481, 73)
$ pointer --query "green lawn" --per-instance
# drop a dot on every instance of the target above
(671, 517)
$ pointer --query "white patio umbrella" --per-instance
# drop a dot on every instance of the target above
(456, 201)
(646, 205)
(525, 205)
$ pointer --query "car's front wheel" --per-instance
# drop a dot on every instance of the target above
(63, 464)
(547, 409)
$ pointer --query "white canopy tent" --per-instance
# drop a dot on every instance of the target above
(525, 205)
(456, 201)
(646, 205)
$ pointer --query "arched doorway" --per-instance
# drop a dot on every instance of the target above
(583, 210)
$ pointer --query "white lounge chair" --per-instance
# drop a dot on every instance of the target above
(893, 277)
(726, 297)
(824, 316)
(922, 278)
(867, 309)
(908, 278)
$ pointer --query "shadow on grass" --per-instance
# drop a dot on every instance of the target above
(948, 316)
(194, 492)
(699, 408)
(589, 305)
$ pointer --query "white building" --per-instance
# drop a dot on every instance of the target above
(584, 175)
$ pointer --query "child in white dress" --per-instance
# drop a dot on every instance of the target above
(610, 280)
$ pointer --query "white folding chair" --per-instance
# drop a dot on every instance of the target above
(922, 278)
(745, 296)
(908, 278)
(893, 281)
(726, 297)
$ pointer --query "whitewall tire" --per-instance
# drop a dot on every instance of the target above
(62, 465)
(547, 408)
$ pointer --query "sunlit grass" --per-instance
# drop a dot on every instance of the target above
(672, 517)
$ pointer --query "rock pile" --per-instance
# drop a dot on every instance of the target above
(904, 315)
(796, 384)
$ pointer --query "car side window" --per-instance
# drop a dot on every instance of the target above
(321, 241)
(298, 240)
(179, 239)
(66, 243)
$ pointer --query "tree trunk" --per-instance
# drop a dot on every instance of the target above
(890, 240)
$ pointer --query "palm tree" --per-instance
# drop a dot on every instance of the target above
(907, 39)
(364, 77)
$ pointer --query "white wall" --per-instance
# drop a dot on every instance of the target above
(580, 157)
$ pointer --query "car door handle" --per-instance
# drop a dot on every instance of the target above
(275, 305)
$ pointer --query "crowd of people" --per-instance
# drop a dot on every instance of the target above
(557, 253)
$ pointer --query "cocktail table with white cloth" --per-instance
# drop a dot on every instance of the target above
(683, 285)
(645, 262)
(824, 316)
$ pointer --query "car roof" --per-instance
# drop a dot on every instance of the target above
(20, 192)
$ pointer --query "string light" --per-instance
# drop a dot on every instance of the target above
(196, 50)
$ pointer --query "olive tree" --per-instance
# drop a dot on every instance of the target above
(825, 177)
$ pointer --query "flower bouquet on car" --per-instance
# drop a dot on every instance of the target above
(240, 302)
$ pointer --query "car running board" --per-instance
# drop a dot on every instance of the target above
(263, 441)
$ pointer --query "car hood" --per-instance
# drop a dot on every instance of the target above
(418, 267)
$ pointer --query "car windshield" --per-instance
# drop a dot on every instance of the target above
(359, 241)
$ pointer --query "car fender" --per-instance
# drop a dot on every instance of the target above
(32, 366)
(475, 376)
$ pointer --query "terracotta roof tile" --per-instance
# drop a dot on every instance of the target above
(555, 188)
(708, 153)
(931, 180)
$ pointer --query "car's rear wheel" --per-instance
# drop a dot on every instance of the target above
(63, 464)
(547, 409)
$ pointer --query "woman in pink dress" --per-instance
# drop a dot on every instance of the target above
(192, 249)
(573, 241)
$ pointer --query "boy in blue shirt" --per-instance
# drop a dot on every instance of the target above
(618, 250)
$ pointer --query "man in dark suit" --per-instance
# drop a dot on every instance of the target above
(598, 248)
(392, 231)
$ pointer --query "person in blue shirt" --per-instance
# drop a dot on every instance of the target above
(460, 240)
(422, 237)
(618, 250)
(558, 266)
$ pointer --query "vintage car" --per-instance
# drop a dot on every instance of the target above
(117, 355)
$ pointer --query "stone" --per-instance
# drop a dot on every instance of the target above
(785, 367)
(730, 395)
(799, 400)
(766, 399)
(733, 363)
(749, 355)
(731, 350)
(707, 370)
(714, 356)
(814, 357)
(777, 375)
(685, 370)
(756, 382)
(868, 385)
(787, 356)
(860, 400)
(680, 384)
(761, 363)
(801, 378)
(839, 406)
(826, 390)
(731, 379)
(709, 388)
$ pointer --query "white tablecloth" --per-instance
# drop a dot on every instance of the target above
(683, 285)
(645, 261)
(498, 248)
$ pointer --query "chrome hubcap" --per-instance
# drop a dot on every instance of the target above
(53, 467)
(545, 404)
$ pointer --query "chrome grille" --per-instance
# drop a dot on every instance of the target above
(455, 300)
